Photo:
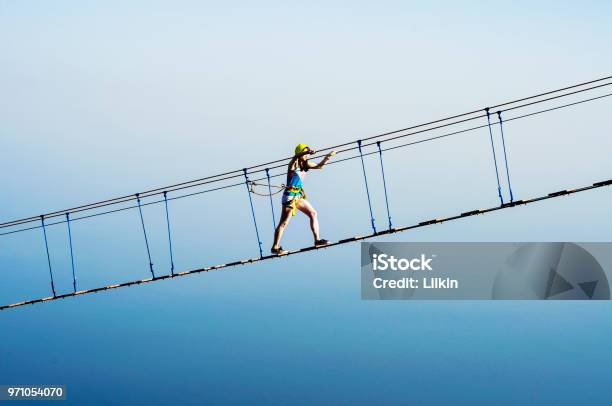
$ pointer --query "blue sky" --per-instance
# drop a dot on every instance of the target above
(101, 99)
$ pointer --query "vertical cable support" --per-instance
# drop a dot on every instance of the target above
(169, 234)
(42, 220)
(271, 203)
(365, 178)
(144, 232)
(501, 199)
(246, 182)
(71, 253)
(501, 129)
(382, 168)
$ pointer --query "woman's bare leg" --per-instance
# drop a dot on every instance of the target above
(284, 221)
(305, 207)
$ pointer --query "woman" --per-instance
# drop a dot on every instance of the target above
(294, 197)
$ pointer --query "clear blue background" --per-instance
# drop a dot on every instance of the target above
(102, 99)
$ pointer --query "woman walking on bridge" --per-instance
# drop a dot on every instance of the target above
(294, 197)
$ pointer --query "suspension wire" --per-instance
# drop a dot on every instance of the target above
(460, 122)
(42, 220)
(476, 111)
(404, 135)
(235, 173)
(144, 232)
(169, 235)
(382, 169)
(128, 207)
(336, 161)
(71, 253)
(494, 158)
(452, 123)
(429, 123)
(23, 221)
(329, 163)
(361, 155)
(480, 116)
(422, 224)
(501, 130)
(365, 179)
(246, 182)
(477, 127)
(271, 203)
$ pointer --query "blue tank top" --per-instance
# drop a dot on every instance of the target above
(294, 180)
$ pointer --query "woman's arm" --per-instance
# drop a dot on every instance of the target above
(322, 163)
(306, 151)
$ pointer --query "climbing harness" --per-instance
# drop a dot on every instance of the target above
(298, 194)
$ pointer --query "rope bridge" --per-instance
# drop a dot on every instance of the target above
(377, 143)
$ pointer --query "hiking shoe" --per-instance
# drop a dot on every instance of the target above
(279, 251)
